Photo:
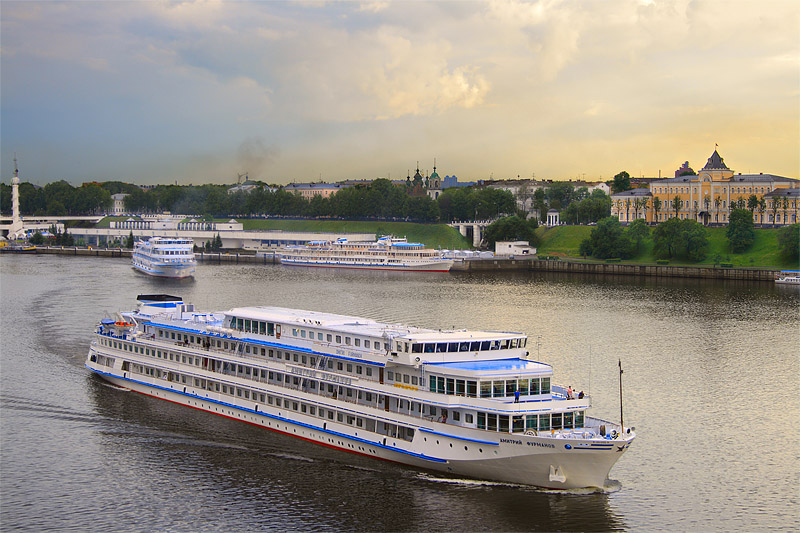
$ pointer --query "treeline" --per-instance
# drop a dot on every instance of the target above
(379, 200)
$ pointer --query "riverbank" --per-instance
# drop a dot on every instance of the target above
(493, 264)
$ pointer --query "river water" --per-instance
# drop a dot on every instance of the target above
(711, 382)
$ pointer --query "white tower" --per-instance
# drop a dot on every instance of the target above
(16, 221)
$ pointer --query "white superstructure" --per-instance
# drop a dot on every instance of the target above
(166, 257)
(469, 403)
(788, 277)
(387, 253)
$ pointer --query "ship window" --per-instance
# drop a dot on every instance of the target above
(390, 377)
(303, 333)
(339, 365)
(556, 421)
(504, 344)
(545, 385)
(579, 419)
(262, 327)
(294, 406)
(464, 347)
(319, 336)
(535, 386)
(303, 408)
(270, 328)
(430, 347)
(247, 325)
(369, 371)
(278, 402)
(475, 346)
(491, 422)
(347, 340)
(485, 345)
(440, 385)
(330, 415)
(350, 367)
(468, 418)
(511, 387)
(263, 351)
(486, 389)
(357, 342)
(414, 380)
(416, 348)
(451, 386)
(518, 424)
(329, 337)
(359, 370)
(532, 422)
(522, 386)
(433, 384)
(568, 420)
(339, 417)
(366, 344)
(460, 387)
(481, 420)
(472, 389)
(405, 378)
(452, 347)
(304, 360)
(503, 423)
(498, 389)
(239, 323)
(287, 356)
(433, 411)
(495, 345)
(330, 364)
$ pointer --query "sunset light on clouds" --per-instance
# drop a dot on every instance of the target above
(196, 92)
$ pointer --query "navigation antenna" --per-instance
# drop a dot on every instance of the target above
(621, 419)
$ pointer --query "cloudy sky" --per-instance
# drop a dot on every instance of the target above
(198, 92)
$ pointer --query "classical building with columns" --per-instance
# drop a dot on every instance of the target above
(710, 196)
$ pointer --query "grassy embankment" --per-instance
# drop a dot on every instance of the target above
(565, 241)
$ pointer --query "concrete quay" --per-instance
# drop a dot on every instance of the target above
(493, 264)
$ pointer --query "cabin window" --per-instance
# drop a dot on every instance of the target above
(456, 416)
(430, 347)
(405, 378)
(262, 328)
(491, 422)
(390, 377)
(416, 348)
(358, 342)
(495, 345)
(369, 371)
(579, 419)
(463, 347)
(518, 424)
(451, 386)
(366, 344)
(511, 387)
(535, 386)
(556, 421)
(414, 380)
(350, 367)
(270, 328)
(303, 333)
(532, 422)
(460, 387)
(452, 347)
(544, 422)
(247, 325)
(522, 386)
(440, 385)
(319, 336)
(239, 324)
(358, 369)
(339, 339)
(481, 420)
(474, 346)
(329, 337)
(484, 345)
(347, 341)
(569, 420)
(498, 389)
(486, 389)
(545, 385)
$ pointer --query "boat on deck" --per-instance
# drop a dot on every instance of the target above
(387, 253)
(462, 402)
(165, 257)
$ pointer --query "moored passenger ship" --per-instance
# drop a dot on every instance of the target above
(165, 257)
(387, 253)
(468, 403)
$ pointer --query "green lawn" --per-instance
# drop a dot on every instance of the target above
(565, 240)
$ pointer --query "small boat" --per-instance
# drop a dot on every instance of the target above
(165, 257)
(461, 402)
(788, 277)
(387, 253)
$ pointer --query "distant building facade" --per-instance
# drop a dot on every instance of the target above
(310, 190)
(118, 207)
(711, 195)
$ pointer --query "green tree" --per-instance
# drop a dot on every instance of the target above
(680, 238)
(752, 203)
(37, 238)
(512, 228)
(656, 207)
(217, 243)
(789, 242)
(129, 241)
(638, 231)
(741, 231)
(607, 240)
(621, 182)
(676, 204)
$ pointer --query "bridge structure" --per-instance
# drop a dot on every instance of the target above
(474, 229)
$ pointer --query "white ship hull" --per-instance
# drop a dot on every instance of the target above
(167, 271)
(542, 461)
(437, 266)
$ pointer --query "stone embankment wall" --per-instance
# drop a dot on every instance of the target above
(494, 264)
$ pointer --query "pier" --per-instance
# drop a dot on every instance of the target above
(491, 264)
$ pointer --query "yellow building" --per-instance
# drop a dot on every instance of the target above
(710, 196)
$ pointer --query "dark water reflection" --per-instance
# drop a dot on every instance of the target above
(711, 381)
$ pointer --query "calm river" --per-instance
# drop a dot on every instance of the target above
(711, 382)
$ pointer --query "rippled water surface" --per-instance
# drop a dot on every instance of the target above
(711, 383)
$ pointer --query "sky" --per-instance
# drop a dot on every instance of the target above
(199, 92)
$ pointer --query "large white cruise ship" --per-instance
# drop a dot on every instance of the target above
(387, 253)
(166, 257)
(467, 403)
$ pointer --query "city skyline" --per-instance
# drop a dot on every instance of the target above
(304, 91)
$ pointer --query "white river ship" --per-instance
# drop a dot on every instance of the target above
(165, 257)
(387, 253)
(467, 403)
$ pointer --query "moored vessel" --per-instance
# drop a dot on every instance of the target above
(464, 402)
(788, 277)
(387, 253)
(166, 257)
